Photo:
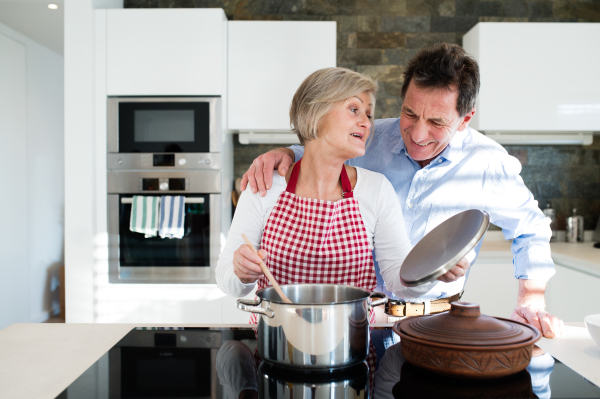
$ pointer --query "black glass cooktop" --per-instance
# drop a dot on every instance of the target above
(222, 363)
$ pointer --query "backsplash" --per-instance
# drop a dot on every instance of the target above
(378, 37)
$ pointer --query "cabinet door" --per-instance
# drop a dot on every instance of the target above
(268, 60)
(492, 285)
(571, 294)
(166, 52)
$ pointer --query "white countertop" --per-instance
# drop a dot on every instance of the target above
(580, 256)
(41, 360)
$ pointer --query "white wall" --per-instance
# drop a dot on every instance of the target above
(31, 170)
(79, 160)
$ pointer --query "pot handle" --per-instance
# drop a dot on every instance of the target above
(378, 302)
(251, 306)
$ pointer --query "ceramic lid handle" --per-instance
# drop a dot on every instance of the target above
(465, 309)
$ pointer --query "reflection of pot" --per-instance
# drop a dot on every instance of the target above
(465, 343)
(281, 383)
(417, 383)
(325, 326)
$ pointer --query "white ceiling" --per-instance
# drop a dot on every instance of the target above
(35, 20)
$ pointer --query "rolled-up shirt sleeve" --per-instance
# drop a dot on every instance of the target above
(298, 152)
(514, 209)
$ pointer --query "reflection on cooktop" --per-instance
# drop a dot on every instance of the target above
(220, 363)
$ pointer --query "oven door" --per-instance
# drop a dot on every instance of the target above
(163, 124)
(191, 259)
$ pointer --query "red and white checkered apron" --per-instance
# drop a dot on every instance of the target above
(315, 241)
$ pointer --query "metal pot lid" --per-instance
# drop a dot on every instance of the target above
(464, 325)
(443, 247)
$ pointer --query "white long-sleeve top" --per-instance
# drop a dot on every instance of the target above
(381, 214)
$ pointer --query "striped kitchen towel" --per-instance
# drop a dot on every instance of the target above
(171, 216)
(144, 215)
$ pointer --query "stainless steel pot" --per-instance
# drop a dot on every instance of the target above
(325, 326)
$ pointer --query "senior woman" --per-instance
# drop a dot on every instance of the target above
(319, 223)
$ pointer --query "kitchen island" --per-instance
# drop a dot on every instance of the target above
(42, 360)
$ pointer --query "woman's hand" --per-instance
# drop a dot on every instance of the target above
(245, 264)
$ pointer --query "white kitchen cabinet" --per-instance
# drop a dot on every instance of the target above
(166, 52)
(268, 60)
(572, 294)
(492, 285)
(536, 77)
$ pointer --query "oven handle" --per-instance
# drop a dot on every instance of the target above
(251, 306)
(190, 200)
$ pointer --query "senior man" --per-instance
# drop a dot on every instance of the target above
(439, 166)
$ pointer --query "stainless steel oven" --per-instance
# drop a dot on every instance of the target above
(191, 259)
(168, 146)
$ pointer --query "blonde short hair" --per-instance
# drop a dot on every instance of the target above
(319, 92)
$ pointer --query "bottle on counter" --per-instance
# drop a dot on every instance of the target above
(550, 214)
(575, 227)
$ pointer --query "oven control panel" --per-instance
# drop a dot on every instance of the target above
(164, 184)
(164, 161)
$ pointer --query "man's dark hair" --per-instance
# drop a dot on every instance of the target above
(446, 66)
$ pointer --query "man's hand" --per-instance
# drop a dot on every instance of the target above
(457, 271)
(260, 174)
(531, 309)
(246, 264)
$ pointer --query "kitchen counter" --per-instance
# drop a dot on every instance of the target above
(579, 256)
(41, 360)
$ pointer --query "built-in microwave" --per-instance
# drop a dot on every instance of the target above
(139, 129)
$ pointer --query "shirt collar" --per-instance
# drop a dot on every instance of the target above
(453, 151)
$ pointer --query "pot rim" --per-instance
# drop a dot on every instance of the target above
(280, 302)
(472, 348)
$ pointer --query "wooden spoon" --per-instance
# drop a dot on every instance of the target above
(266, 271)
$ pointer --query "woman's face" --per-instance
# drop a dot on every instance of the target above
(346, 128)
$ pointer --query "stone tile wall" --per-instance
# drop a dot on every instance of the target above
(378, 37)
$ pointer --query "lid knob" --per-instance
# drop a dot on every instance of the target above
(465, 309)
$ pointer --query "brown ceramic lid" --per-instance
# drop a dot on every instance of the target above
(465, 325)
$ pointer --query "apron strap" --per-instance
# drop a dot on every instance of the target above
(291, 186)
(346, 186)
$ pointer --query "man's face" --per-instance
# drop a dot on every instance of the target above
(429, 120)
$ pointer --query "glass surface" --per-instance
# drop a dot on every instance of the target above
(170, 127)
(163, 160)
(177, 184)
(150, 184)
(223, 367)
(163, 125)
(193, 249)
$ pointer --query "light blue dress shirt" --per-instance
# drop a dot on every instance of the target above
(472, 172)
